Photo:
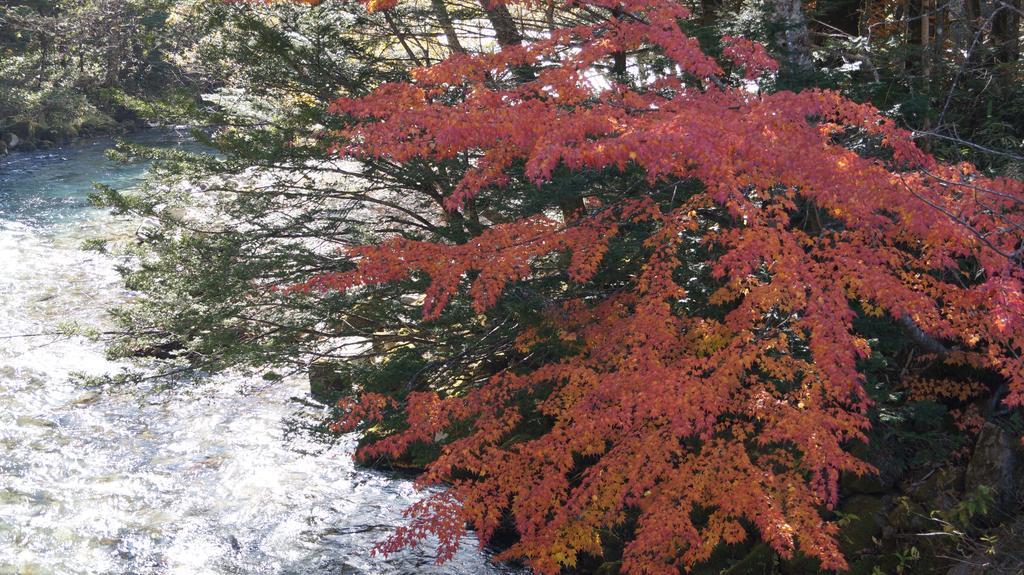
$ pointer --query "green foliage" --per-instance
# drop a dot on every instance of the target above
(973, 504)
(74, 67)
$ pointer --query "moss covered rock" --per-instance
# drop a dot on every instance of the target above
(939, 490)
(861, 524)
(48, 135)
(25, 129)
(996, 464)
(326, 384)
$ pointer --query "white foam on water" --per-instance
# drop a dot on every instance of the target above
(221, 475)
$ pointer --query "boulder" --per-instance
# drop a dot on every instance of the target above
(68, 133)
(862, 524)
(326, 385)
(907, 516)
(996, 464)
(939, 490)
(163, 350)
(48, 134)
(149, 229)
(24, 129)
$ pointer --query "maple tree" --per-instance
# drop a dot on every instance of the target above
(706, 383)
(699, 415)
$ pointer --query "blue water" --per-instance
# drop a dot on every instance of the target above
(49, 187)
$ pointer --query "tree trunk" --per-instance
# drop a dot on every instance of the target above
(790, 33)
(1006, 30)
(618, 57)
(959, 29)
(401, 38)
(709, 11)
(508, 35)
(927, 8)
(445, 19)
(505, 29)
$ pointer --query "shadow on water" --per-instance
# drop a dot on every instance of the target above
(222, 475)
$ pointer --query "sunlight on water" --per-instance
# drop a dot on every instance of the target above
(219, 476)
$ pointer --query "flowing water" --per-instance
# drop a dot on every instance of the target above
(224, 475)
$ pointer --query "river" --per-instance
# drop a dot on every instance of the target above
(224, 475)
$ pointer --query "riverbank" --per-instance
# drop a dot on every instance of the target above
(27, 136)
